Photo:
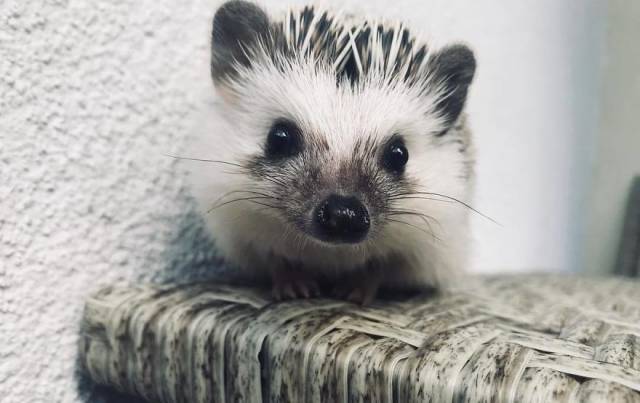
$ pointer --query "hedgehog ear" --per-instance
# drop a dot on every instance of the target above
(452, 67)
(237, 26)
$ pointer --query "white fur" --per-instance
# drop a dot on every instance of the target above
(249, 236)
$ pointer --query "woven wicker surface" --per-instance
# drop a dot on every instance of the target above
(535, 338)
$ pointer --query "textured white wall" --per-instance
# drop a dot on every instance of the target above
(92, 94)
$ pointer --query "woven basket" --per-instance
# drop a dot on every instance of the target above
(535, 338)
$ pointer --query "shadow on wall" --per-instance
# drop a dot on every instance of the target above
(190, 252)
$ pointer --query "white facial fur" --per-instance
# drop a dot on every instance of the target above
(253, 237)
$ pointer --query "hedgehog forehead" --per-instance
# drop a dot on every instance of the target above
(341, 114)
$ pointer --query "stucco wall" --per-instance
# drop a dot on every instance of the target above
(94, 93)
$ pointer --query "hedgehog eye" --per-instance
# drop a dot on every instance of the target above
(283, 140)
(395, 156)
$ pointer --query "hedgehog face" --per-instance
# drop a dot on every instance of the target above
(342, 128)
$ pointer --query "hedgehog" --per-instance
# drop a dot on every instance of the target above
(338, 159)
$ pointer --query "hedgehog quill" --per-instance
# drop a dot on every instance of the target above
(340, 157)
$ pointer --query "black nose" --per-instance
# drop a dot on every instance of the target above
(342, 219)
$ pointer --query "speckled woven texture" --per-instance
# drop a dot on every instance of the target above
(534, 338)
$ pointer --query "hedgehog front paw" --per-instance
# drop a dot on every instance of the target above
(360, 287)
(361, 292)
(291, 283)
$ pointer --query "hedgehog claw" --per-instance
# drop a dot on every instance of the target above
(289, 284)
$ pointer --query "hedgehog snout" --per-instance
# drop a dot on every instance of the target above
(341, 219)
